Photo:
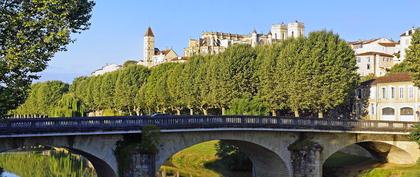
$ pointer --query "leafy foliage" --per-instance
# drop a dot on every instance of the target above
(415, 134)
(232, 157)
(31, 32)
(43, 99)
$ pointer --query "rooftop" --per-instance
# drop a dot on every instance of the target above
(393, 77)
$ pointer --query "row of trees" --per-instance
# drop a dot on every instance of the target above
(305, 75)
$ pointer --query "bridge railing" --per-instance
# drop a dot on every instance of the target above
(127, 123)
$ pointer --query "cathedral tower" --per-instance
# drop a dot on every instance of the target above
(148, 46)
(295, 29)
(254, 38)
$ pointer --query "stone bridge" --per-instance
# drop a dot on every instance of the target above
(277, 146)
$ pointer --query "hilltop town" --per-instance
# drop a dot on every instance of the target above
(374, 56)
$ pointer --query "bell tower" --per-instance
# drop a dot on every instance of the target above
(148, 46)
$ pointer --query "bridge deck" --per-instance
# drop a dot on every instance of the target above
(131, 124)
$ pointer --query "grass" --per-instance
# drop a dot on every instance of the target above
(393, 170)
(191, 161)
(345, 165)
(199, 161)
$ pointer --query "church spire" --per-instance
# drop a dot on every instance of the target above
(149, 32)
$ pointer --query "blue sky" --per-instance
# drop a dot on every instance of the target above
(117, 29)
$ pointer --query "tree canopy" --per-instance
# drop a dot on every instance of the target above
(31, 32)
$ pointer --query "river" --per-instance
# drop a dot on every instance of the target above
(44, 163)
(8, 174)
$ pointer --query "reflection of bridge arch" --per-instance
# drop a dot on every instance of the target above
(95, 151)
(269, 157)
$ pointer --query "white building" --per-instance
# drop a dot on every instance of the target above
(377, 56)
(405, 42)
(374, 56)
(106, 69)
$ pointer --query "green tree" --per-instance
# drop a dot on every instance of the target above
(331, 71)
(245, 106)
(175, 89)
(108, 89)
(266, 68)
(415, 134)
(411, 62)
(157, 94)
(234, 75)
(69, 106)
(43, 99)
(188, 83)
(129, 81)
(32, 33)
(129, 63)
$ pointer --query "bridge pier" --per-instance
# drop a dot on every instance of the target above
(306, 158)
(140, 165)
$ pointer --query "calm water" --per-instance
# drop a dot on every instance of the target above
(7, 174)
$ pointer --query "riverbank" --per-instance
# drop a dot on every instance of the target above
(199, 161)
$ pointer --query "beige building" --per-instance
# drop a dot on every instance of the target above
(153, 56)
(216, 42)
(391, 98)
(377, 56)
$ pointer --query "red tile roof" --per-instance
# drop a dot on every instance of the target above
(393, 77)
(376, 53)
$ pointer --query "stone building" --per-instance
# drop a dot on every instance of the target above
(216, 42)
(152, 56)
(392, 97)
(377, 56)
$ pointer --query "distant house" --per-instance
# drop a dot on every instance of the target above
(374, 56)
(106, 69)
(377, 56)
(391, 98)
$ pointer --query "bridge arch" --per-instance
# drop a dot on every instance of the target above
(263, 153)
(385, 149)
(103, 163)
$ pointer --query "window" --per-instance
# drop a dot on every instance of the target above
(401, 92)
(368, 59)
(358, 60)
(384, 92)
(392, 92)
(388, 111)
(406, 111)
(372, 109)
(410, 92)
(368, 66)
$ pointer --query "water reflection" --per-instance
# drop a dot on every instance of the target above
(7, 174)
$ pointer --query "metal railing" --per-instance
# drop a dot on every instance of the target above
(129, 123)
